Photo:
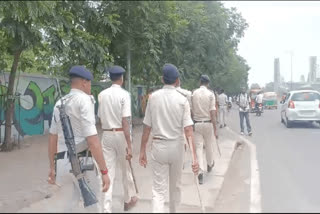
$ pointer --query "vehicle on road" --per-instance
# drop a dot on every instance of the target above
(253, 94)
(270, 100)
(301, 105)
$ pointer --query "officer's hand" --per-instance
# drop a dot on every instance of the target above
(105, 182)
(129, 154)
(195, 167)
(143, 159)
(215, 134)
(51, 177)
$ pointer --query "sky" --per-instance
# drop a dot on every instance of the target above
(275, 29)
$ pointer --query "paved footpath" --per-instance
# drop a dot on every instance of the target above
(48, 200)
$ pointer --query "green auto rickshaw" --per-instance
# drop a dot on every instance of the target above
(270, 100)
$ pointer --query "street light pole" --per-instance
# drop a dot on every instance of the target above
(291, 69)
(291, 54)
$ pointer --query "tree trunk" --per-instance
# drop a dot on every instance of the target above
(7, 145)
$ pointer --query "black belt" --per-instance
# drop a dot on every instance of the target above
(205, 121)
(60, 155)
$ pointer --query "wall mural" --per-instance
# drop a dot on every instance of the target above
(34, 106)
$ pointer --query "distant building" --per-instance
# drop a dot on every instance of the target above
(312, 77)
(276, 74)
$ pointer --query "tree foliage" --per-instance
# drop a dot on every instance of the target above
(198, 37)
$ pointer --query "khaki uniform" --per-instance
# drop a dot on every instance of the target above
(203, 101)
(80, 109)
(114, 104)
(167, 113)
(223, 102)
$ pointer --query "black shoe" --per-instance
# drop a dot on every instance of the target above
(209, 168)
(220, 126)
(225, 125)
(200, 177)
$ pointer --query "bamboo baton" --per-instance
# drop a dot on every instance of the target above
(196, 177)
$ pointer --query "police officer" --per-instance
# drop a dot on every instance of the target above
(168, 116)
(223, 102)
(114, 112)
(80, 109)
(204, 116)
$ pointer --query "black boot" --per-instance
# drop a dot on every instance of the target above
(200, 177)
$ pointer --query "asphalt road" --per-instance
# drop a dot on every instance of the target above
(288, 160)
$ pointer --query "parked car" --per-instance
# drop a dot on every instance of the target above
(301, 105)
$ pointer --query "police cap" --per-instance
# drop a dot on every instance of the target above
(170, 73)
(116, 71)
(80, 71)
(204, 78)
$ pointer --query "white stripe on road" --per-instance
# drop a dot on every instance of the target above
(255, 191)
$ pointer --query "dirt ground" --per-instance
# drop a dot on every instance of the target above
(23, 174)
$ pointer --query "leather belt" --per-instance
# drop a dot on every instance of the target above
(60, 155)
(111, 130)
(157, 138)
(205, 121)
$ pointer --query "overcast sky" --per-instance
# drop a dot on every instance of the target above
(276, 27)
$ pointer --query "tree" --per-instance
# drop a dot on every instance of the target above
(59, 31)
(19, 26)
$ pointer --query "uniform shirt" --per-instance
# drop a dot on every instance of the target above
(185, 93)
(203, 101)
(80, 109)
(167, 113)
(223, 99)
(244, 100)
(114, 104)
(230, 99)
(259, 98)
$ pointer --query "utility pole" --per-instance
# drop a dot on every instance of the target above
(291, 54)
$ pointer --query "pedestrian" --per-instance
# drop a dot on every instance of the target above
(259, 99)
(80, 109)
(114, 112)
(168, 116)
(204, 116)
(243, 101)
(223, 102)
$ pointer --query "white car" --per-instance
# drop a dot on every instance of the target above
(301, 105)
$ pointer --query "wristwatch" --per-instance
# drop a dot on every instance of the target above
(104, 172)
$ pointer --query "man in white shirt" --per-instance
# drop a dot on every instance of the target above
(168, 116)
(243, 101)
(259, 99)
(223, 102)
(80, 109)
(114, 111)
(205, 130)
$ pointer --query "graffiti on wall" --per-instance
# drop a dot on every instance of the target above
(34, 106)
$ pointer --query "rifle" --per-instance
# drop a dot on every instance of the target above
(87, 194)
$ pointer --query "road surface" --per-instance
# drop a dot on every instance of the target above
(288, 160)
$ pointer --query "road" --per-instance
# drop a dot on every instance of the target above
(288, 160)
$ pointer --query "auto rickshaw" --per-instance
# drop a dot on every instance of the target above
(270, 100)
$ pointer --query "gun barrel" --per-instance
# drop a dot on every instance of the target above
(89, 197)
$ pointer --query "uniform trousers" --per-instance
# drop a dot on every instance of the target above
(167, 161)
(114, 151)
(222, 114)
(204, 136)
(70, 195)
